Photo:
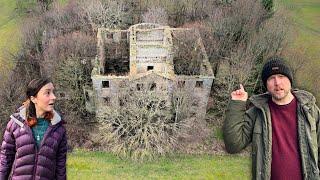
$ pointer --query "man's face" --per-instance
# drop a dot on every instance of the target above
(279, 86)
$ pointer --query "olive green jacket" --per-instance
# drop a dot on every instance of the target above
(243, 127)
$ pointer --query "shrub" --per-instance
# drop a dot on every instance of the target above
(143, 123)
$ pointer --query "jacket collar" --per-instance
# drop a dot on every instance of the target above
(303, 97)
(20, 117)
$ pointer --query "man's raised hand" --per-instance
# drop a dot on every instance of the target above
(239, 94)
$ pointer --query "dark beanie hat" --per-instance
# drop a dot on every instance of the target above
(275, 65)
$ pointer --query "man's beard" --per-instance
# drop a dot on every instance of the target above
(281, 96)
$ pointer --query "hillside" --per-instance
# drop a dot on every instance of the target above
(304, 21)
(305, 26)
(9, 30)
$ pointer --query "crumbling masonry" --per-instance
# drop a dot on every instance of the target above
(174, 56)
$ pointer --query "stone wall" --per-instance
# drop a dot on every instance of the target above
(150, 50)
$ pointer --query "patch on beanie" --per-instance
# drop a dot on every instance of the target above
(275, 68)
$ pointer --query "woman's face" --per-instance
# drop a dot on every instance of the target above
(44, 100)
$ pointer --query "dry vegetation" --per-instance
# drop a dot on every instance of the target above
(143, 123)
(60, 41)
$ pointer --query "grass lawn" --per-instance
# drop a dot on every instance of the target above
(100, 165)
(306, 22)
(305, 25)
(9, 30)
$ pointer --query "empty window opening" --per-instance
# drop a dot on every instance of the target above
(149, 68)
(105, 84)
(117, 58)
(199, 84)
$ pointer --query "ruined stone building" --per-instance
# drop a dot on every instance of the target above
(170, 57)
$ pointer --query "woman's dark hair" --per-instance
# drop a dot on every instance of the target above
(33, 88)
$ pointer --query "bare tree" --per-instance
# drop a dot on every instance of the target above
(156, 15)
(297, 59)
(109, 14)
(243, 36)
(76, 45)
(188, 56)
(238, 36)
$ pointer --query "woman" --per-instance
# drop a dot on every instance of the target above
(34, 143)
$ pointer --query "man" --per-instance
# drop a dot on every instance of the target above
(283, 126)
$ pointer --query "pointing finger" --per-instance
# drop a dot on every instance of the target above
(241, 88)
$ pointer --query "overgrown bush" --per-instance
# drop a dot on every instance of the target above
(59, 41)
(143, 123)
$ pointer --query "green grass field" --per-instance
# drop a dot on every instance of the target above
(100, 165)
(9, 30)
(306, 20)
(305, 27)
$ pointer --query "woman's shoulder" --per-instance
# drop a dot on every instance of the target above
(60, 127)
(17, 118)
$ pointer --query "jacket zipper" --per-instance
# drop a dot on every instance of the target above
(36, 162)
(36, 153)
(38, 149)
